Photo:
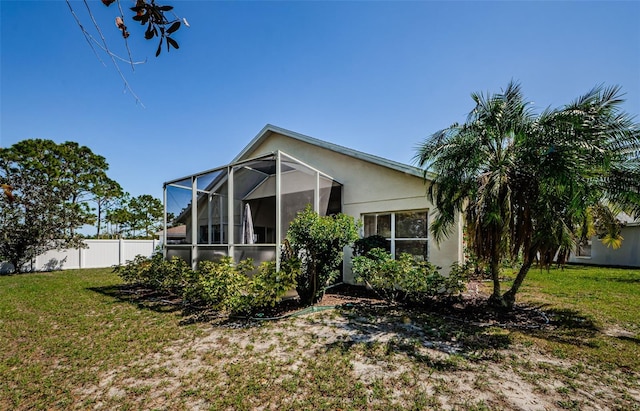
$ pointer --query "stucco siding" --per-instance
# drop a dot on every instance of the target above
(369, 188)
(628, 255)
(366, 181)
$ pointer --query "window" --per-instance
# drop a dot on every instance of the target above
(406, 231)
(584, 249)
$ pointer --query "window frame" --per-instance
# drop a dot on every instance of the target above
(584, 250)
(393, 239)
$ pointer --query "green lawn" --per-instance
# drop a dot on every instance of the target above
(607, 295)
(60, 330)
(77, 340)
(598, 308)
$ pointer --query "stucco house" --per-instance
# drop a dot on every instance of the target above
(173, 235)
(277, 175)
(596, 253)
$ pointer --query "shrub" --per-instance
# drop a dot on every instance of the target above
(155, 272)
(268, 286)
(405, 279)
(366, 244)
(228, 287)
(223, 285)
(318, 242)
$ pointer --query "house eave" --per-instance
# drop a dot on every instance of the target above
(384, 162)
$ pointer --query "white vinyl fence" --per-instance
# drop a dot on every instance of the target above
(97, 254)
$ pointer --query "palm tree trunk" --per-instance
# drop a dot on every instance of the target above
(495, 276)
(496, 299)
(509, 298)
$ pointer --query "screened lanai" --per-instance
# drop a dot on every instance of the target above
(244, 209)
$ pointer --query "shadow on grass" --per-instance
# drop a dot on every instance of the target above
(628, 338)
(384, 350)
(568, 327)
(625, 280)
(142, 298)
(163, 302)
(418, 332)
(469, 328)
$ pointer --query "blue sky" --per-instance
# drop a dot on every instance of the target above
(374, 76)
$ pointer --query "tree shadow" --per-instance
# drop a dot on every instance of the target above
(427, 336)
(628, 338)
(617, 279)
(568, 326)
(167, 303)
(625, 280)
(466, 327)
(54, 264)
(143, 298)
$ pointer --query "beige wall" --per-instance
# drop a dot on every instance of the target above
(368, 188)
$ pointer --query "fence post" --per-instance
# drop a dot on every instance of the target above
(120, 250)
(81, 256)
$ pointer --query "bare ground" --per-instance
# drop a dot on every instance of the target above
(373, 356)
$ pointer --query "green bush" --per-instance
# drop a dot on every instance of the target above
(318, 241)
(363, 245)
(223, 285)
(268, 286)
(405, 279)
(228, 287)
(155, 272)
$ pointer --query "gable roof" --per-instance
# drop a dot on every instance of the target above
(270, 129)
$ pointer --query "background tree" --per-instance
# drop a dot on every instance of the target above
(147, 212)
(106, 197)
(527, 183)
(85, 174)
(48, 184)
(140, 216)
(119, 218)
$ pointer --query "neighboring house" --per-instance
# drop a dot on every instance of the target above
(175, 235)
(596, 253)
(277, 175)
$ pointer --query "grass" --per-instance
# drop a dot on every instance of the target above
(605, 294)
(596, 311)
(58, 333)
(79, 340)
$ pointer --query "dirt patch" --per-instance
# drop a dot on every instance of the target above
(366, 354)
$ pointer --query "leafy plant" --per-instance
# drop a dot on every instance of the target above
(318, 241)
(527, 182)
(156, 272)
(221, 285)
(405, 279)
(151, 14)
(268, 285)
(363, 245)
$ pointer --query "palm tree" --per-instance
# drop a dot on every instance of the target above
(525, 183)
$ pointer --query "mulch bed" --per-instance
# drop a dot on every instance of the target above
(470, 307)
